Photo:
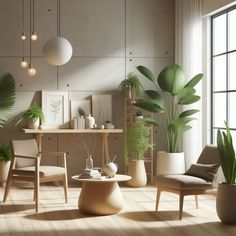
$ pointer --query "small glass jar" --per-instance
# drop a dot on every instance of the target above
(89, 163)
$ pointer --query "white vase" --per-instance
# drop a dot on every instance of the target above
(4, 169)
(137, 171)
(170, 163)
(89, 122)
(33, 123)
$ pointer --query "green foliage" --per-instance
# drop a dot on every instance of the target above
(81, 112)
(171, 80)
(34, 111)
(227, 154)
(7, 97)
(137, 140)
(133, 82)
(5, 153)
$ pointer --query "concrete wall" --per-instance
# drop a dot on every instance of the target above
(109, 38)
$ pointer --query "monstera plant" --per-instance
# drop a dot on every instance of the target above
(7, 97)
(175, 93)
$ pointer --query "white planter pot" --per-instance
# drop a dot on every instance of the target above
(33, 123)
(226, 204)
(4, 169)
(170, 163)
(137, 171)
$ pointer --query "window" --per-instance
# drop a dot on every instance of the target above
(223, 72)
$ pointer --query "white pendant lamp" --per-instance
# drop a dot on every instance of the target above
(58, 50)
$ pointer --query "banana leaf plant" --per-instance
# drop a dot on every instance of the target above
(7, 97)
(171, 81)
(227, 154)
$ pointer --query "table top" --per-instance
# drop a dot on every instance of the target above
(72, 131)
(116, 178)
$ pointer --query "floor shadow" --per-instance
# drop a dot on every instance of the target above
(148, 216)
(13, 208)
(59, 215)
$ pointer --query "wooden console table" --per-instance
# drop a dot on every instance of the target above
(104, 132)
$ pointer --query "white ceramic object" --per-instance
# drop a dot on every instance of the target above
(33, 123)
(170, 163)
(110, 169)
(81, 122)
(89, 122)
(109, 126)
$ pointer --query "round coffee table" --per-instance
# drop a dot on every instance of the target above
(101, 196)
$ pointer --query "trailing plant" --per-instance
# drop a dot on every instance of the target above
(5, 153)
(7, 97)
(171, 81)
(132, 82)
(81, 112)
(227, 154)
(34, 111)
(137, 140)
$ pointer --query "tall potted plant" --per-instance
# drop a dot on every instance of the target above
(226, 193)
(175, 93)
(34, 115)
(138, 142)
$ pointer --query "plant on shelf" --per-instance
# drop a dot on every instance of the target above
(7, 97)
(34, 115)
(5, 157)
(171, 81)
(132, 85)
(137, 143)
(226, 193)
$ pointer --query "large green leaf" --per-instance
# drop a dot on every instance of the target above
(149, 105)
(172, 79)
(189, 99)
(188, 112)
(155, 96)
(150, 120)
(194, 81)
(146, 72)
(186, 92)
(7, 97)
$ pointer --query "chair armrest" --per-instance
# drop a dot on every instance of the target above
(56, 154)
(27, 157)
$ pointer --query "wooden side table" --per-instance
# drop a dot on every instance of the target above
(101, 197)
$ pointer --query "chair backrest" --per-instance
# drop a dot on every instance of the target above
(209, 155)
(26, 147)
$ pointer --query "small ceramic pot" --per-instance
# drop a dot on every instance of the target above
(110, 169)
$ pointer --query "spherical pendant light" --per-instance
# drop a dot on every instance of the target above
(57, 51)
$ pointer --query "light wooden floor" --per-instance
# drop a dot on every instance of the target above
(138, 217)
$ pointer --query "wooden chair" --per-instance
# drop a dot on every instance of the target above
(183, 184)
(25, 166)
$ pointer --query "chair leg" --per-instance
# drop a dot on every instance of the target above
(158, 198)
(65, 184)
(36, 186)
(196, 201)
(181, 202)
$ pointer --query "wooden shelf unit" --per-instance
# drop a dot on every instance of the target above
(130, 115)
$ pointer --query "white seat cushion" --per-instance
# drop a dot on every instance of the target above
(44, 170)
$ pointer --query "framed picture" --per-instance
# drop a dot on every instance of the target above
(55, 109)
(102, 108)
(76, 104)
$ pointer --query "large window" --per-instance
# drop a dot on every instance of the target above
(223, 71)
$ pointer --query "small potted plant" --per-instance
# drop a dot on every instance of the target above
(139, 116)
(5, 157)
(226, 193)
(34, 115)
(137, 143)
(132, 86)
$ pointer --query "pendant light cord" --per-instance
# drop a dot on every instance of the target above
(23, 27)
(33, 16)
(58, 17)
(30, 31)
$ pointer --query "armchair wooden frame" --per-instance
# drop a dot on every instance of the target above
(35, 176)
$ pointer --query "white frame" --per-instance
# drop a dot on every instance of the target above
(60, 120)
(102, 108)
(76, 104)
